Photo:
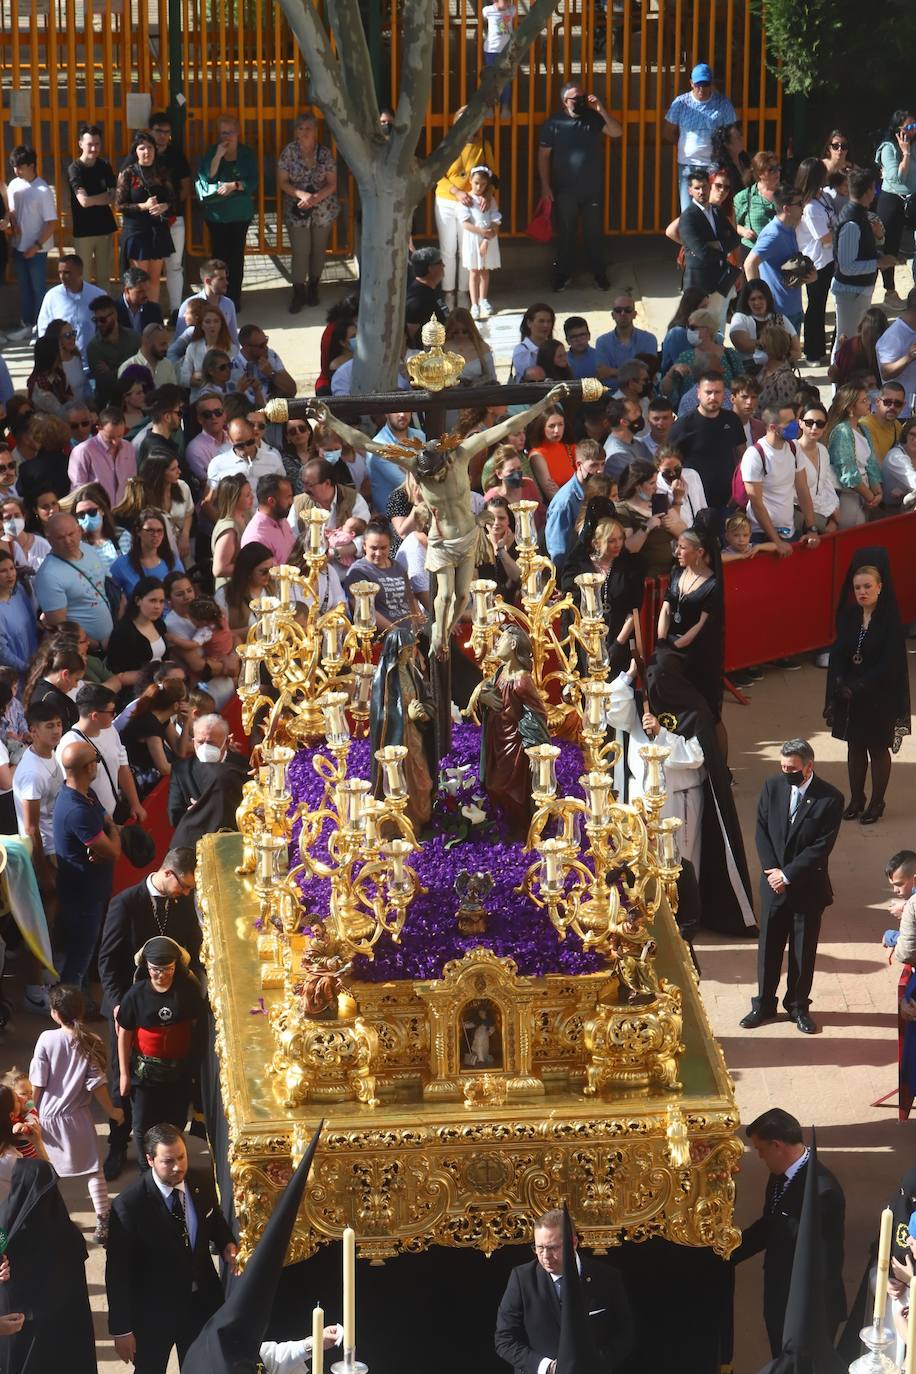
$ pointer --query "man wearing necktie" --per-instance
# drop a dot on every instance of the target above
(798, 819)
(528, 1321)
(159, 1275)
(777, 1138)
(162, 904)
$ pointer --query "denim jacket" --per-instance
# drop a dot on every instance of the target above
(842, 448)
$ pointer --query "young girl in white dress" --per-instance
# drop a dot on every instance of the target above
(479, 244)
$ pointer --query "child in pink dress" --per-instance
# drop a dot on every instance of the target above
(67, 1070)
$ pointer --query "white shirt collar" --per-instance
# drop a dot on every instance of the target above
(798, 1164)
(167, 1189)
(802, 788)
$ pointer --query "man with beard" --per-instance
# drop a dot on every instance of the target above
(162, 904)
(112, 344)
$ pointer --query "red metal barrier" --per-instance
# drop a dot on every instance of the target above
(776, 607)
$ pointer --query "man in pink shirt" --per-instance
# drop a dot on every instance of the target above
(106, 457)
(269, 525)
(212, 439)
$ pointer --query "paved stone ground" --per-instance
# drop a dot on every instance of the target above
(831, 1079)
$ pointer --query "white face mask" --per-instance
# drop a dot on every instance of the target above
(760, 357)
(13, 526)
(208, 753)
(693, 337)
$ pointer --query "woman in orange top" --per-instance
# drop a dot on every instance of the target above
(551, 460)
(454, 190)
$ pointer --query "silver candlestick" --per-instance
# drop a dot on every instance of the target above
(878, 1339)
(349, 1364)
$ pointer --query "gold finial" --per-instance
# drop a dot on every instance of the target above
(434, 369)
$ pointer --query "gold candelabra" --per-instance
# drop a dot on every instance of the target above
(565, 638)
(306, 652)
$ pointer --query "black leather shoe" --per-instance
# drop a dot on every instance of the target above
(755, 1018)
(805, 1024)
(872, 813)
(114, 1164)
(854, 809)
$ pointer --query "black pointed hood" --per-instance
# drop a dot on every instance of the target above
(806, 1344)
(231, 1340)
(577, 1353)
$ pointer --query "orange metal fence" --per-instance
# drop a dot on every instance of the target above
(64, 61)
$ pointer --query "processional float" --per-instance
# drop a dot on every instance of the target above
(488, 1026)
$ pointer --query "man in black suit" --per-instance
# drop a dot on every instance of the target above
(707, 236)
(206, 788)
(798, 819)
(777, 1138)
(159, 1276)
(162, 904)
(135, 309)
(528, 1321)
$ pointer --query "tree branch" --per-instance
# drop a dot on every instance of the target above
(326, 82)
(494, 78)
(356, 67)
(416, 77)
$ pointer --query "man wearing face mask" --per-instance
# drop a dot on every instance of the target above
(775, 476)
(633, 384)
(205, 789)
(798, 819)
(621, 447)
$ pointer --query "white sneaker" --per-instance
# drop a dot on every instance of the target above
(892, 299)
(35, 1000)
(475, 311)
(20, 335)
(485, 310)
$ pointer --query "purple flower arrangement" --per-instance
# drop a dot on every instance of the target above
(464, 833)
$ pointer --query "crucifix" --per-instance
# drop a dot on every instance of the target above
(440, 464)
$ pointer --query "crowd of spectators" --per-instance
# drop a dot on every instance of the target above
(145, 498)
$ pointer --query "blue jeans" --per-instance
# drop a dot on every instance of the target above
(683, 194)
(79, 924)
(489, 60)
(32, 278)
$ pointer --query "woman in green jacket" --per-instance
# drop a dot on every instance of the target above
(852, 458)
(226, 187)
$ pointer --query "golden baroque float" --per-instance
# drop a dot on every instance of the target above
(461, 1105)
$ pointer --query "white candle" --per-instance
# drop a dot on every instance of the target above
(318, 1341)
(349, 1288)
(884, 1262)
(910, 1359)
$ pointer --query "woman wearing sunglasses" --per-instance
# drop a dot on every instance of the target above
(835, 156)
(90, 504)
(214, 374)
(812, 421)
